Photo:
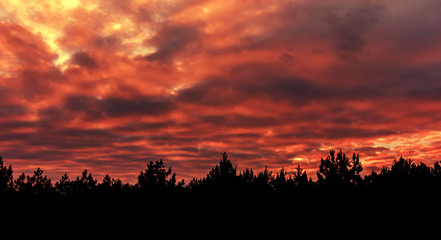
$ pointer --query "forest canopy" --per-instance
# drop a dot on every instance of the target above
(337, 172)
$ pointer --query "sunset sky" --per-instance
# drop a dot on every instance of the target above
(108, 85)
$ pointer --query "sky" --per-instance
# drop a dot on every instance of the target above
(109, 85)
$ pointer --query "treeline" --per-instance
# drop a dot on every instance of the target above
(336, 173)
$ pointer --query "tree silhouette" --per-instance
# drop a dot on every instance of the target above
(263, 180)
(64, 186)
(111, 185)
(280, 182)
(21, 184)
(400, 168)
(156, 178)
(405, 174)
(118, 186)
(336, 172)
(300, 177)
(106, 184)
(39, 183)
(247, 176)
(6, 183)
(339, 170)
(397, 176)
(222, 178)
(224, 173)
(85, 184)
(264, 177)
(436, 173)
(421, 174)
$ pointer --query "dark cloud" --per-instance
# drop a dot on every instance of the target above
(188, 149)
(355, 132)
(237, 121)
(171, 39)
(140, 126)
(83, 59)
(238, 137)
(12, 110)
(350, 28)
(421, 82)
(72, 138)
(39, 156)
(291, 24)
(118, 107)
(54, 116)
(15, 136)
(167, 139)
(214, 91)
(95, 107)
(257, 81)
(287, 58)
(14, 125)
(39, 83)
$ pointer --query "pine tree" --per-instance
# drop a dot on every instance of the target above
(64, 186)
(156, 178)
(339, 170)
(40, 183)
(300, 177)
(6, 182)
(85, 184)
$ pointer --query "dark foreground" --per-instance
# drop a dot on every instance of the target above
(406, 189)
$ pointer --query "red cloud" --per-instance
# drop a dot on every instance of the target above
(111, 86)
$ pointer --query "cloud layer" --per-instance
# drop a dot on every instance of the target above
(110, 85)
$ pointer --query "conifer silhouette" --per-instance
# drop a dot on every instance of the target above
(84, 185)
(339, 170)
(64, 186)
(336, 172)
(6, 183)
(224, 173)
(156, 178)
